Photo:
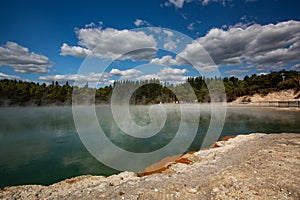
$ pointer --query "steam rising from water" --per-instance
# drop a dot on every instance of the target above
(177, 133)
(41, 145)
(92, 131)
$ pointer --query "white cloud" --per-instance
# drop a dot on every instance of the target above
(296, 67)
(6, 76)
(169, 33)
(140, 22)
(171, 75)
(112, 44)
(165, 60)
(148, 77)
(180, 3)
(257, 45)
(125, 74)
(74, 51)
(170, 44)
(265, 47)
(22, 60)
(191, 26)
(195, 55)
(90, 25)
(176, 3)
(206, 2)
(91, 78)
(170, 61)
(172, 71)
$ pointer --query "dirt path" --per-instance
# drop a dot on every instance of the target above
(256, 166)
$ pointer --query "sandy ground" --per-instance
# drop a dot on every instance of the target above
(255, 166)
(283, 95)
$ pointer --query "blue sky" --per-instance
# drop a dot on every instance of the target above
(48, 40)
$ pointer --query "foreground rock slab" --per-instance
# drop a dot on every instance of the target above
(255, 166)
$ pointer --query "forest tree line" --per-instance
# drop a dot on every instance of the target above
(22, 93)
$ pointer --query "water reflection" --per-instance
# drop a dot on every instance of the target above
(41, 145)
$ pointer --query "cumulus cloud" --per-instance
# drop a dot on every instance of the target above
(74, 51)
(168, 74)
(6, 76)
(22, 60)
(168, 71)
(268, 46)
(171, 75)
(178, 61)
(92, 78)
(195, 55)
(257, 45)
(112, 44)
(165, 60)
(126, 74)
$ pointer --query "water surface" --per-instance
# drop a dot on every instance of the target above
(41, 145)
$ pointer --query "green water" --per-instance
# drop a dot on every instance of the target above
(41, 145)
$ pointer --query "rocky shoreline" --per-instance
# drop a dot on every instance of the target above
(255, 166)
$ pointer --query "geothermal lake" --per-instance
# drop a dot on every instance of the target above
(40, 145)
